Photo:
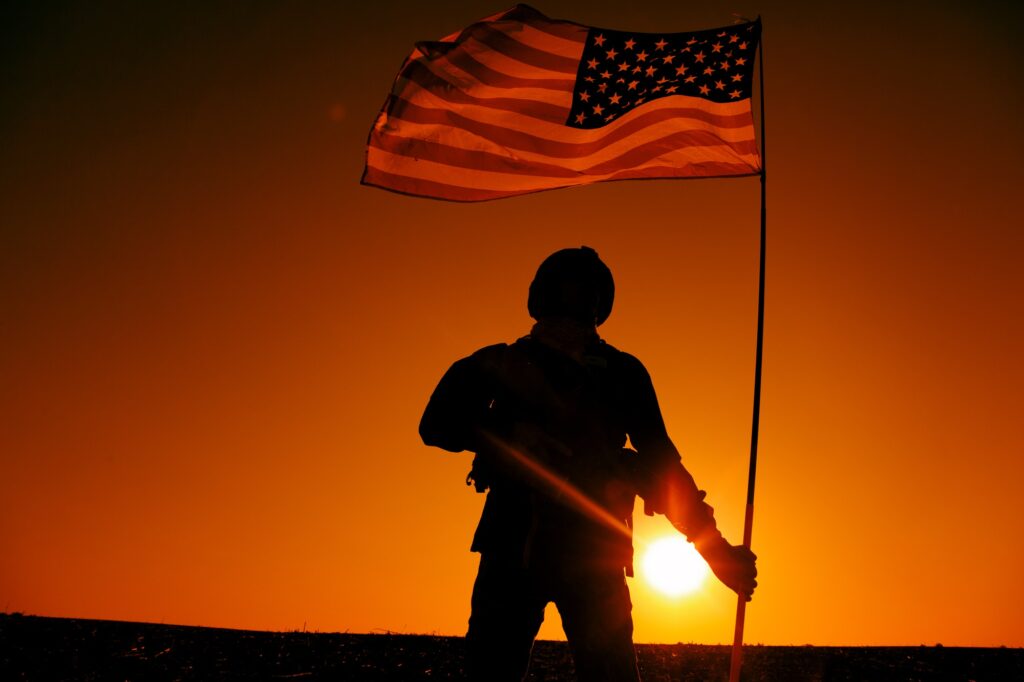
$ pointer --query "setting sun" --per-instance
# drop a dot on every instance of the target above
(673, 566)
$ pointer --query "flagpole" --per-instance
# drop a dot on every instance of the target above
(748, 522)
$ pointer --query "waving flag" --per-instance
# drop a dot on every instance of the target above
(520, 103)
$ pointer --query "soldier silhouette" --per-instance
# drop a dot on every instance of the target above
(548, 418)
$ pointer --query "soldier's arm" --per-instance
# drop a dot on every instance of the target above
(459, 405)
(662, 480)
(669, 489)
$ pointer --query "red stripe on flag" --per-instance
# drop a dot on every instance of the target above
(449, 91)
(638, 156)
(407, 111)
(439, 190)
(504, 44)
(489, 76)
(467, 158)
(488, 161)
(429, 188)
(704, 169)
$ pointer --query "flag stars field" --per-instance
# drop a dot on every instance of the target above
(666, 72)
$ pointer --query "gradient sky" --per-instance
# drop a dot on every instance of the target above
(216, 345)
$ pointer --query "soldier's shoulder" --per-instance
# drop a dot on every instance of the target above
(622, 359)
(489, 351)
(489, 356)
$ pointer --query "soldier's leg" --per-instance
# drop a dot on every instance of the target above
(597, 617)
(507, 611)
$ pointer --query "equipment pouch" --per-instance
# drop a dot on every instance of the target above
(480, 474)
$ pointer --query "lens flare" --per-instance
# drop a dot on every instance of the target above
(673, 566)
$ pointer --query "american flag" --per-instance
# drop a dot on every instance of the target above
(520, 103)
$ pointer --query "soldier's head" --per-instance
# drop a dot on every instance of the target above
(574, 284)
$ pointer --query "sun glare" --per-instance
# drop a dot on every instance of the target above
(673, 566)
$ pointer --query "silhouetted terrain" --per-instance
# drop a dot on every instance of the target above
(34, 648)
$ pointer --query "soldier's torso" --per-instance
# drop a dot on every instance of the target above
(558, 490)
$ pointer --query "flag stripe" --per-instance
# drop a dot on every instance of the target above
(508, 63)
(419, 148)
(569, 48)
(505, 44)
(732, 116)
(700, 112)
(430, 188)
(589, 141)
(422, 148)
(450, 92)
(496, 182)
(499, 79)
(471, 85)
(439, 190)
(501, 179)
(461, 139)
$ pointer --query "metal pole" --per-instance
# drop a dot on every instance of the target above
(748, 522)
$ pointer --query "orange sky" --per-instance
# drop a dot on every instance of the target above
(216, 345)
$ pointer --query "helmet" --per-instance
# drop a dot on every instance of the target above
(572, 283)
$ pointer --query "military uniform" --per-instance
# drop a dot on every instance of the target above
(549, 427)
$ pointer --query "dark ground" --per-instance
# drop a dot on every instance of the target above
(35, 648)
